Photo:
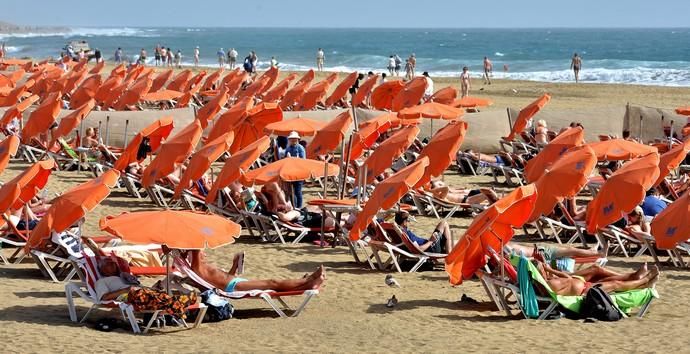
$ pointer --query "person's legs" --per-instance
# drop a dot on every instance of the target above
(313, 281)
(596, 273)
(444, 230)
(563, 252)
(297, 190)
(647, 281)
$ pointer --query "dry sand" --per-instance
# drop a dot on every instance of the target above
(349, 315)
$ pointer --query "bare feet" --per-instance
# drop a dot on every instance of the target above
(317, 278)
(640, 273)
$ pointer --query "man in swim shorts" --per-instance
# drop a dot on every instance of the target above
(576, 65)
(230, 282)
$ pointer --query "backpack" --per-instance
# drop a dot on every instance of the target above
(218, 309)
(599, 305)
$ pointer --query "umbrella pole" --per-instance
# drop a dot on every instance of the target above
(124, 141)
(510, 120)
(107, 130)
(325, 180)
(345, 164)
(167, 273)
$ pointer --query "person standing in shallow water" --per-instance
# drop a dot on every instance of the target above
(488, 68)
(320, 58)
(576, 65)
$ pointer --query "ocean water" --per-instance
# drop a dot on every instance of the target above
(635, 56)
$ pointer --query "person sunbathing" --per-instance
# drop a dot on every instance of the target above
(561, 257)
(124, 287)
(229, 282)
(578, 283)
(486, 158)
(275, 202)
(441, 240)
(472, 196)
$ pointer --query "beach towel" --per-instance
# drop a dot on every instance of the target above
(528, 300)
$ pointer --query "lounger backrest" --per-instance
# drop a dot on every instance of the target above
(184, 267)
(89, 266)
(68, 149)
(400, 234)
(71, 244)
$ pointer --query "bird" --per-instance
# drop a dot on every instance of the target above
(390, 281)
(392, 302)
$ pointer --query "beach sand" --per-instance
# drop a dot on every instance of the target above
(350, 313)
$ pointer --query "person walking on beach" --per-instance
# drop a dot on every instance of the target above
(413, 65)
(142, 57)
(255, 59)
(274, 62)
(196, 56)
(118, 55)
(157, 54)
(221, 58)
(163, 56)
(488, 68)
(320, 57)
(232, 58)
(178, 59)
(391, 65)
(465, 82)
(429, 91)
(398, 64)
(171, 55)
(576, 65)
(2, 50)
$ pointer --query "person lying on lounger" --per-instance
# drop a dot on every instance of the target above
(229, 282)
(441, 240)
(119, 286)
(560, 257)
(486, 158)
(577, 283)
(275, 202)
(460, 195)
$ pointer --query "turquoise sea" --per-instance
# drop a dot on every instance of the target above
(640, 56)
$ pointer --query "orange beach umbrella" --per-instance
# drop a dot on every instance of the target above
(387, 193)
(86, 91)
(202, 160)
(307, 78)
(68, 208)
(382, 96)
(391, 148)
(8, 148)
(563, 179)
(178, 229)
(252, 127)
(133, 94)
(364, 90)
(622, 192)
(445, 95)
(71, 121)
(24, 186)
(293, 95)
(161, 95)
(471, 102)
(552, 151)
(304, 126)
(341, 90)
(671, 159)
(160, 80)
(272, 75)
(172, 153)
(229, 120)
(620, 149)
(156, 132)
(277, 92)
(212, 80)
(671, 226)
(17, 110)
(212, 107)
(683, 110)
(289, 169)
(441, 149)
(314, 95)
(411, 94)
(42, 117)
(179, 82)
(236, 165)
(431, 110)
(492, 228)
(526, 114)
(330, 135)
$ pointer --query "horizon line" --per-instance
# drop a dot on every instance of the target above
(364, 28)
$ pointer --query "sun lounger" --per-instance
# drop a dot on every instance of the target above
(625, 301)
(13, 237)
(397, 245)
(272, 298)
(428, 204)
(88, 272)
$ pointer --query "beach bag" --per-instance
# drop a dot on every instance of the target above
(217, 308)
(599, 305)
